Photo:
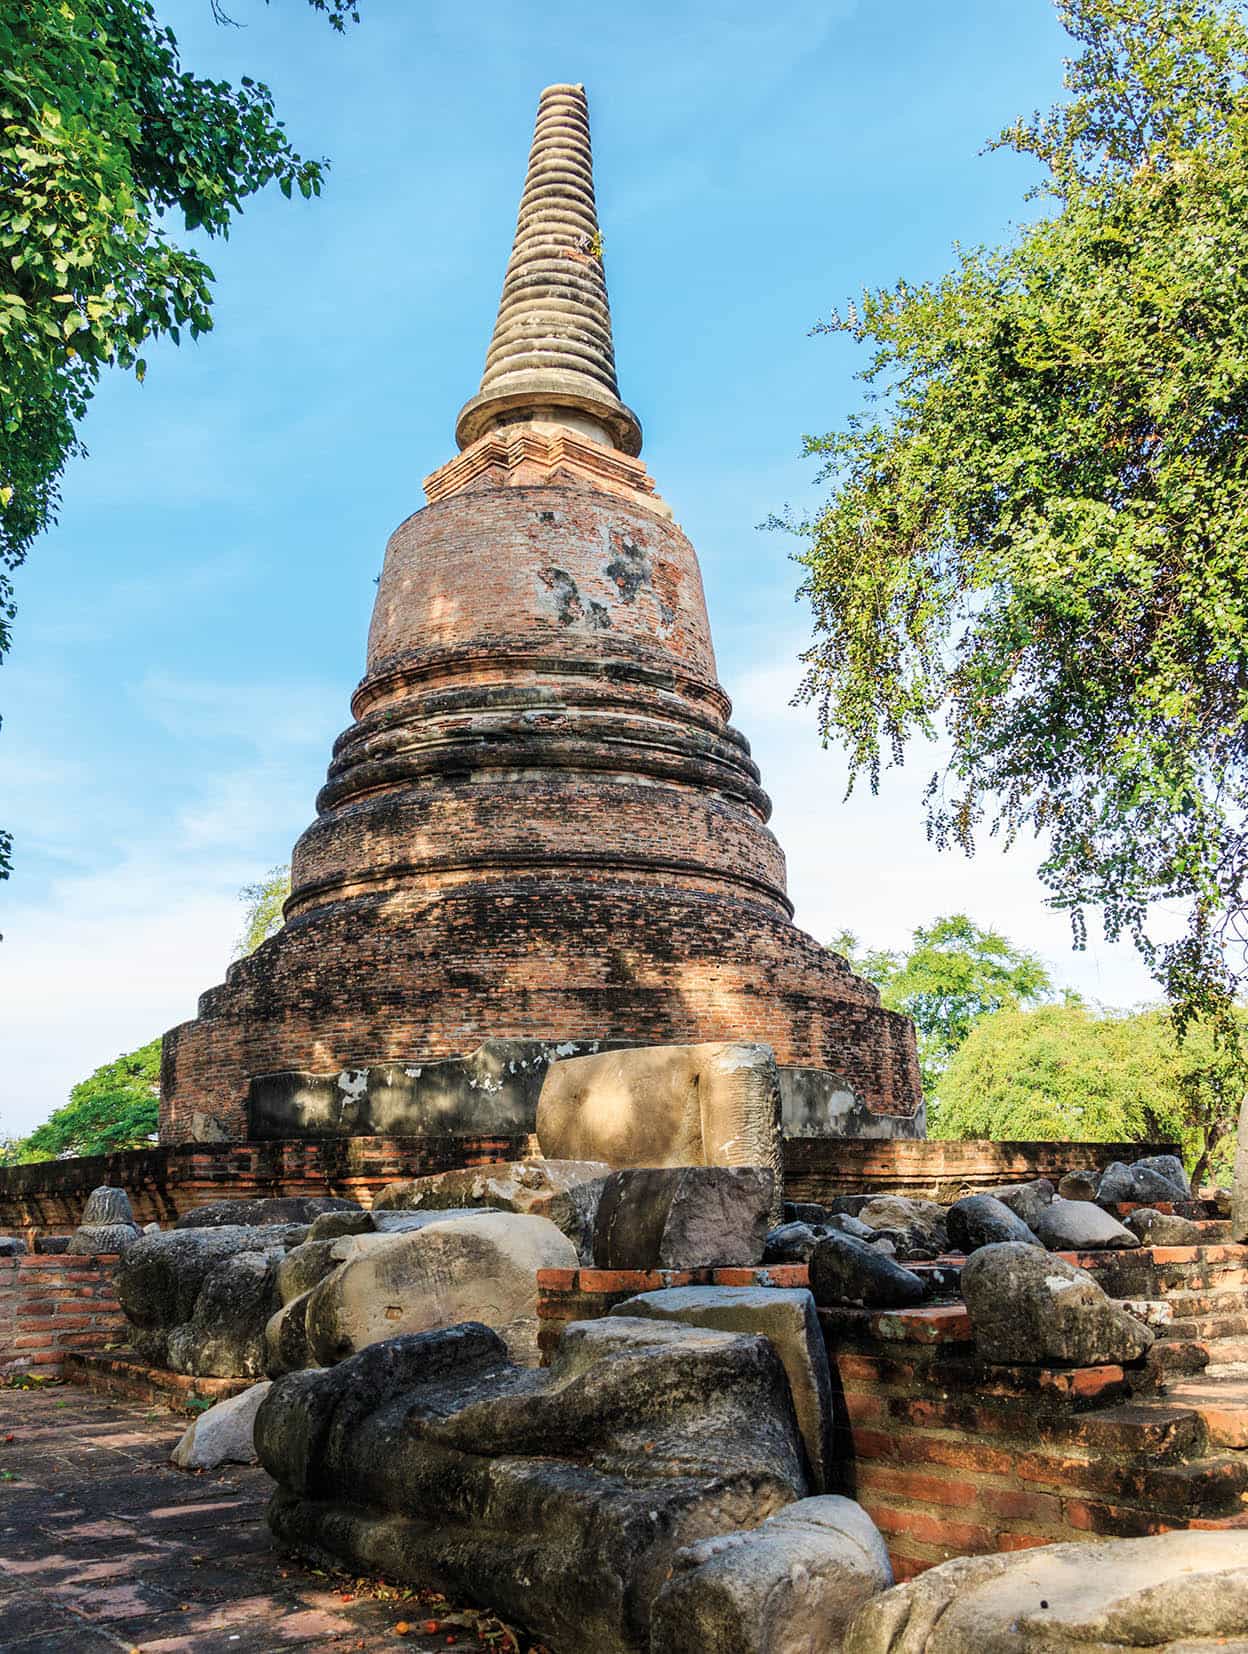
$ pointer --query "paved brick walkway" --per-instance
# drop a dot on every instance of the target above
(105, 1546)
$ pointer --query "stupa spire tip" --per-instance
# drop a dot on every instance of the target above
(552, 355)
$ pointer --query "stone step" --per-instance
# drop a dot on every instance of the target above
(1221, 1402)
(1186, 1303)
(1203, 1328)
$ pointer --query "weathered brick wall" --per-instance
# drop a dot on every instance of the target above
(50, 1306)
(541, 826)
(47, 1198)
(817, 1168)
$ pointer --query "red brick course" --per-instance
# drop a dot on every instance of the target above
(51, 1305)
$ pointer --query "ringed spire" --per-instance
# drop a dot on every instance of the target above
(551, 355)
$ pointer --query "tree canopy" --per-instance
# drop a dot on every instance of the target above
(263, 916)
(1066, 1071)
(105, 139)
(117, 1107)
(1036, 539)
(953, 974)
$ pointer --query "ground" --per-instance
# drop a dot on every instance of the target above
(105, 1546)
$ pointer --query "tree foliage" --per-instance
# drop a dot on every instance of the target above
(1037, 535)
(117, 1107)
(953, 974)
(105, 138)
(1065, 1071)
(263, 916)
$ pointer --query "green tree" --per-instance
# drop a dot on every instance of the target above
(953, 974)
(263, 917)
(1037, 534)
(1065, 1071)
(117, 1107)
(104, 136)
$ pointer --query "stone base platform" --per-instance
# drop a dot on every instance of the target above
(124, 1375)
(164, 1181)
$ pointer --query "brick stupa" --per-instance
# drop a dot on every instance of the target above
(540, 826)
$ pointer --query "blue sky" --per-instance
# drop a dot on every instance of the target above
(188, 638)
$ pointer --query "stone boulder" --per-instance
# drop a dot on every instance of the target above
(793, 1242)
(197, 1300)
(1172, 1169)
(1079, 1185)
(223, 1434)
(566, 1192)
(1163, 1228)
(470, 1266)
(1141, 1184)
(1080, 1226)
(1181, 1592)
(792, 1584)
(916, 1227)
(713, 1104)
(787, 1316)
(267, 1210)
(107, 1224)
(556, 1498)
(803, 1211)
(12, 1246)
(983, 1220)
(683, 1217)
(845, 1270)
(1025, 1200)
(1027, 1307)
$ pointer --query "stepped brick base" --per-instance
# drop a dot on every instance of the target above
(952, 1456)
(47, 1198)
(122, 1374)
(53, 1305)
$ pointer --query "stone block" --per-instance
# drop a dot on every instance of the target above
(846, 1270)
(566, 1192)
(666, 1105)
(982, 1220)
(266, 1210)
(1185, 1591)
(223, 1434)
(684, 1217)
(1027, 1307)
(1080, 1226)
(791, 1584)
(557, 1498)
(1142, 1183)
(785, 1315)
(472, 1266)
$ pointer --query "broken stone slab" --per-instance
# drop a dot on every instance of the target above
(1182, 1592)
(1079, 1185)
(557, 1498)
(53, 1243)
(713, 1104)
(790, 1585)
(683, 1217)
(107, 1224)
(12, 1246)
(793, 1242)
(1080, 1226)
(223, 1434)
(478, 1265)
(816, 1102)
(1141, 1184)
(1163, 1228)
(916, 1227)
(1025, 1200)
(264, 1210)
(1171, 1168)
(845, 1270)
(489, 1092)
(161, 1278)
(566, 1192)
(803, 1211)
(983, 1220)
(1028, 1307)
(786, 1316)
